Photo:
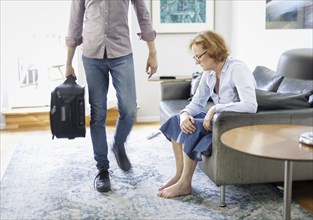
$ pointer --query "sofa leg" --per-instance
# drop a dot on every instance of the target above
(222, 196)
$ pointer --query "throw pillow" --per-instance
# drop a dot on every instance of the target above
(195, 80)
(266, 79)
(299, 86)
(271, 100)
(311, 100)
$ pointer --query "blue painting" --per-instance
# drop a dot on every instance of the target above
(182, 11)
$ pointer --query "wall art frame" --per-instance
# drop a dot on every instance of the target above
(292, 14)
(182, 16)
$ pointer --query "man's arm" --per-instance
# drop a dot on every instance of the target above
(152, 62)
(69, 66)
(74, 36)
(147, 34)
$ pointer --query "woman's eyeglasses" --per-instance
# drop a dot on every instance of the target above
(198, 57)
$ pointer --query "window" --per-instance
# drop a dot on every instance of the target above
(33, 51)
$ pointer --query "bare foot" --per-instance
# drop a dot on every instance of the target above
(175, 191)
(169, 183)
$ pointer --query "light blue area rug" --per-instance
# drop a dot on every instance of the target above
(53, 179)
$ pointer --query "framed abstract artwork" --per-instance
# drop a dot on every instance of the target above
(182, 16)
(291, 14)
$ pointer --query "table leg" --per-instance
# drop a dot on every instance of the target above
(287, 189)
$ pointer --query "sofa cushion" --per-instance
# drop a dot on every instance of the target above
(266, 79)
(172, 107)
(171, 90)
(311, 100)
(196, 77)
(273, 101)
(195, 81)
(290, 85)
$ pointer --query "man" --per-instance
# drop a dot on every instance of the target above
(102, 27)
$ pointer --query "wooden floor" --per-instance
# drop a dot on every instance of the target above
(302, 191)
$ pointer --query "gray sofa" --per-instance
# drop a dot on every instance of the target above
(284, 97)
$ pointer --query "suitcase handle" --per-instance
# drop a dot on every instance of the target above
(70, 80)
(80, 105)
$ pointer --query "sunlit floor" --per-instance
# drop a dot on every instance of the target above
(10, 138)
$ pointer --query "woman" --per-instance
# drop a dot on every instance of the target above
(231, 86)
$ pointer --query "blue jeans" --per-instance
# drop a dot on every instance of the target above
(123, 78)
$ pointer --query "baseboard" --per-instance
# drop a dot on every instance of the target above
(39, 119)
(2, 126)
(148, 119)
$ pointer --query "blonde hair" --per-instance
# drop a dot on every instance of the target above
(213, 43)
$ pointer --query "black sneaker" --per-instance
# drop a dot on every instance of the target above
(102, 181)
(121, 158)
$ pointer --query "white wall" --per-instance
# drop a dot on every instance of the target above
(173, 59)
(254, 44)
(241, 22)
(33, 31)
(23, 25)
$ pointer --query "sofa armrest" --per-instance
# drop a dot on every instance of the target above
(226, 166)
(228, 120)
(175, 90)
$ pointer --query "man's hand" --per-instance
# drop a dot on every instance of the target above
(69, 67)
(187, 123)
(70, 71)
(152, 64)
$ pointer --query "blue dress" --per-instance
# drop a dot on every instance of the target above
(194, 144)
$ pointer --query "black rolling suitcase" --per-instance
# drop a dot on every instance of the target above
(67, 110)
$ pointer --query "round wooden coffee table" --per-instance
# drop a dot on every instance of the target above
(275, 141)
